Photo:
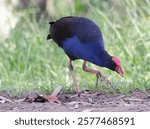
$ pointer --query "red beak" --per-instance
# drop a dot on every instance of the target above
(119, 70)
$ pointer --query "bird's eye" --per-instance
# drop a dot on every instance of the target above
(113, 63)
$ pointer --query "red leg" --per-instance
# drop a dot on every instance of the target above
(77, 88)
(98, 74)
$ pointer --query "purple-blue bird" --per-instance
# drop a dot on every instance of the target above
(81, 38)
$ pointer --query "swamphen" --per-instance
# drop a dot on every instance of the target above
(82, 39)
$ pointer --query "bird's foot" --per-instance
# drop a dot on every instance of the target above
(77, 89)
(102, 79)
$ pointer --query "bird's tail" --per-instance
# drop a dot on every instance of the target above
(51, 23)
(49, 37)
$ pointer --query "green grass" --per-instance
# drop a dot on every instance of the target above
(29, 61)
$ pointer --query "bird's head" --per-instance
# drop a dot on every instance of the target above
(117, 67)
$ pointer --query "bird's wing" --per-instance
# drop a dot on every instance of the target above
(76, 50)
(86, 30)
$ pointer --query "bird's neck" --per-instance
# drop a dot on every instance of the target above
(106, 59)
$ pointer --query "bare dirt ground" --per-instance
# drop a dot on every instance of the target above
(135, 101)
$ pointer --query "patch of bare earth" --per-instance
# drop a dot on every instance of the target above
(86, 102)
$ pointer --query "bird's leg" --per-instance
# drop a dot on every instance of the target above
(77, 88)
(101, 79)
(96, 81)
(97, 73)
(107, 81)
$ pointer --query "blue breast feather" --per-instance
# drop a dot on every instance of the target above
(91, 52)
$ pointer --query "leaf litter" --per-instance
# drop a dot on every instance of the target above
(87, 101)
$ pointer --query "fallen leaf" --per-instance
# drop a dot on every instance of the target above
(52, 99)
(4, 100)
(56, 91)
(20, 100)
(76, 106)
(90, 100)
(88, 110)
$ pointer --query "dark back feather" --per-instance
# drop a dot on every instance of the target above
(86, 30)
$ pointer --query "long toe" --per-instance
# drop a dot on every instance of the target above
(111, 88)
(102, 78)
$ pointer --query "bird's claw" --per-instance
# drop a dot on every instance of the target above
(102, 78)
